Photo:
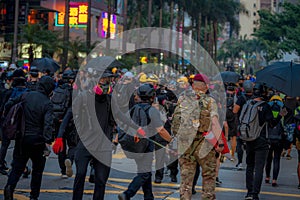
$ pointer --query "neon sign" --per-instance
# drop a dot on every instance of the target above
(103, 25)
(78, 15)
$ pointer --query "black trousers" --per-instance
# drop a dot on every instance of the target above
(82, 159)
(160, 159)
(275, 156)
(3, 151)
(21, 155)
(239, 149)
(256, 159)
(143, 178)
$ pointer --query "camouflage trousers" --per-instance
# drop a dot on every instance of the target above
(187, 171)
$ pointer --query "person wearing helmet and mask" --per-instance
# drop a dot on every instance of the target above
(101, 93)
(146, 94)
(37, 137)
(257, 150)
(276, 142)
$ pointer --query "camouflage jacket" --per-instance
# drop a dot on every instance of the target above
(193, 115)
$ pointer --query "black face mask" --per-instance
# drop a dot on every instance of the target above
(241, 84)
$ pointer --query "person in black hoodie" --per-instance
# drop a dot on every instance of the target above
(89, 134)
(257, 150)
(36, 140)
(18, 88)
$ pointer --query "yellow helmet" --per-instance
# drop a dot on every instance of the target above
(182, 79)
(192, 76)
(145, 78)
(114, 70)
(276, 97)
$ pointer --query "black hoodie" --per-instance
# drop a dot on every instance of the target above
(38, 112)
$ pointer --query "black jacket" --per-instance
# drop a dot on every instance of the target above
(89, 112)
(38, 112)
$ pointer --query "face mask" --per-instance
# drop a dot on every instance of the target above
(241, 84)
(102, 89)
(7, 86)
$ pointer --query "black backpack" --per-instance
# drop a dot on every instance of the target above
(276, 133)
(60, 99)
(13, 126)
(140, 115)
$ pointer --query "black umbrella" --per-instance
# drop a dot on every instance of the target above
(228, 77)
(103, 62)
(43, 64)
(282, 76)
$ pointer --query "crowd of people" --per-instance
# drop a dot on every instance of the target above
(174, 118)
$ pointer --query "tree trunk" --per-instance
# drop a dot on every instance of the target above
(149, 25)
(182, 46)
(192, 42)
(177, 38)
(66, 35)
(160, 33)
(138, 36)
(215, 24)
(198, 51)
(171, 28)
(88, 28)
(205, 33)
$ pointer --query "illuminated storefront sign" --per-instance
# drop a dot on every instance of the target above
(103, 25)
(78, 15)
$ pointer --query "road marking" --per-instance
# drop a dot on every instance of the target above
(176, 186)
(17, 196)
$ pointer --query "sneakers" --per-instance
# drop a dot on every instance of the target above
(157, 180)
(26, 172)
(218, 182)
(248, 197)
(239, 166)
(69, 170)
(174, 179)
(64, 176)
(299, 186)
(3, 171)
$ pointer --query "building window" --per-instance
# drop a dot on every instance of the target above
(254, 5)
(254, 13)
(254, 22)
(254, 30)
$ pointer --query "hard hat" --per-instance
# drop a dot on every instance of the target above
(114, 70)
(182, 79)
(276, 97)
(145, 78)
(192, 76)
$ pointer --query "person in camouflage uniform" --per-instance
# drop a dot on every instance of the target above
(196, 115)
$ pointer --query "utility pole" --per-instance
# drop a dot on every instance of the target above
(15, 42)
(124, 41)
(66, 35)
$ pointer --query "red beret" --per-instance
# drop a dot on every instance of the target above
(202, 78)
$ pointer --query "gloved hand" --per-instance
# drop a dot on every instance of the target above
(141, 132)
(58, 145)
